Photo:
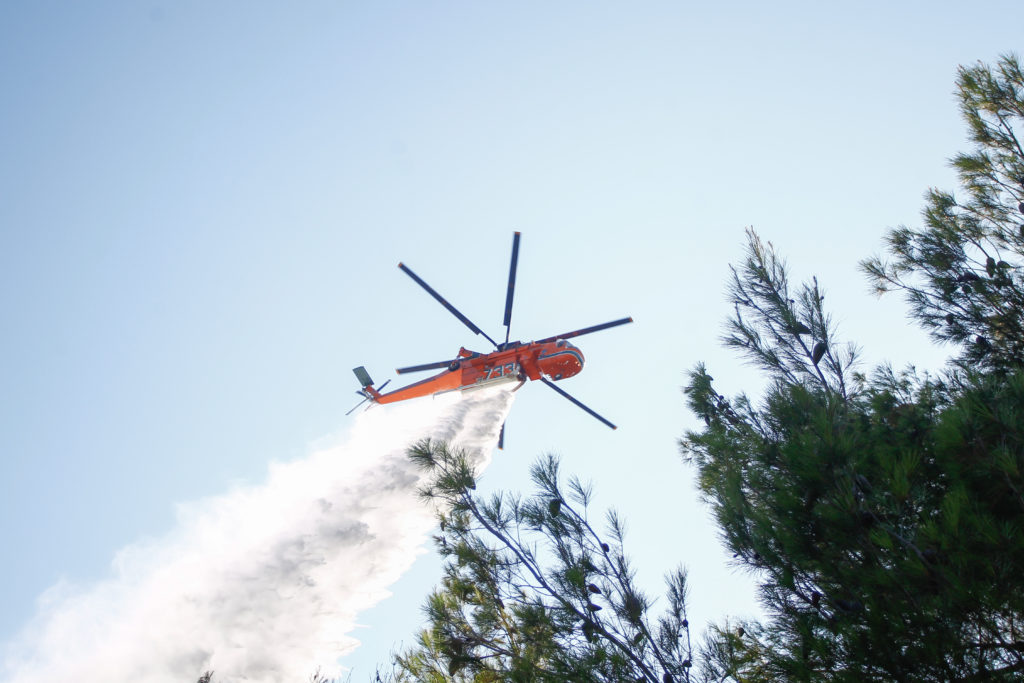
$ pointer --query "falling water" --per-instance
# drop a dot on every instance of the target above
(263, 583)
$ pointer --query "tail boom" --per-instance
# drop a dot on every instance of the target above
(449, 380)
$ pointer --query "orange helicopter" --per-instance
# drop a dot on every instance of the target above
(549, 359)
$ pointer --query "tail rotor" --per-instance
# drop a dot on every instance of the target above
(367, 392)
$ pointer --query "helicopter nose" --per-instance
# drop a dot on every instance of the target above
(565, 362)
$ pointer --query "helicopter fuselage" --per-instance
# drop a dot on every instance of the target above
(513, 362)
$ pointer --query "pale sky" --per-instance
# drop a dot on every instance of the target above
(202, 206)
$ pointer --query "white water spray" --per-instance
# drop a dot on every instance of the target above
(262, 584)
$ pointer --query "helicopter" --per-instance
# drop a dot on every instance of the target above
(548, 360)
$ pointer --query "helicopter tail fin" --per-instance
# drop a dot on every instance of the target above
(363, 376)
(367, 383)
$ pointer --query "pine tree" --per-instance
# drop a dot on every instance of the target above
(883, 516)
(533, 592)
(961, 272)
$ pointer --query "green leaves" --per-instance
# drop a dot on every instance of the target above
(883, 518)
(771, 322)
(976, 239)
(884, 525)
(532, 591)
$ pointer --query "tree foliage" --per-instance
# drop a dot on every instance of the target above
(883, 516)
(884, 526)
(532, 591)
(961, 271)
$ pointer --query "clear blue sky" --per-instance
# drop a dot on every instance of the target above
(202, 205)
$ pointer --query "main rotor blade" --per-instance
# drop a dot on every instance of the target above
(425, 366)
(511, 286)
(585, 330)
(566, 395)
(466, 321)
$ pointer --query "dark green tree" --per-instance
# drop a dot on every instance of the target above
(533, 592)
(961, 271)
(883, 516)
